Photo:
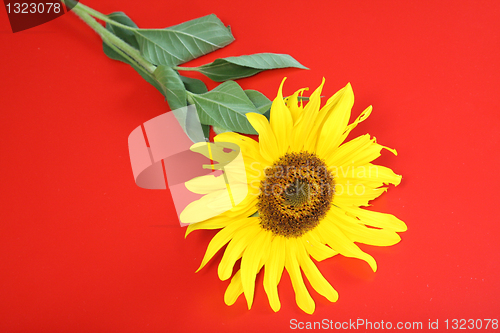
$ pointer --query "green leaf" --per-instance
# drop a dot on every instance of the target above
(225, 107)
(188, 120)
(172, 86)
(129, 37)
(206, 130)
(267, 114)
(183, 42)
(219, 130)
(126, 35)
(194, 85)
(261, 102)
(198, 87)
(232, 68)
(148, 77)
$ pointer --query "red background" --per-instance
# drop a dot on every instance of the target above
(83, 249)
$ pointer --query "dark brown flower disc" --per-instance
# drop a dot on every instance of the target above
(295, 194)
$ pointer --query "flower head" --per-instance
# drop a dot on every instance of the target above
(304, 191)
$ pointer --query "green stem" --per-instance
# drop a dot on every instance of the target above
(98, 15)
(190, 97)
(192, 69)
(113, 41)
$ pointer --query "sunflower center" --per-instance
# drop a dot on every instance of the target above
(295, 194)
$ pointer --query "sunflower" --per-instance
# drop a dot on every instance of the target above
(304, 188)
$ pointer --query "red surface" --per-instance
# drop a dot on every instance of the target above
(83, 249)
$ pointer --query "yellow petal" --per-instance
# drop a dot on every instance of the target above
(247, 144)
(202, 209)
(340, 243)
(222, 237)
(315, 247)
(249, 147)
(370, 175)
(293, 105)
(339, 106)
(244, 209)
(215, 203)
(376, 219)
(205, 184)
(362, 117)
(234, 250)
(268, 146)
(208, 224)
(255, 174)
(385, 175)
(318, 282)
(234, 290)
(312, 140)
(312, 107)
(274, 270)
(250, 263)
(355, 194)
(217, 152)
(359, 151)
(302, 296)
(357, 232)
(303, 127)
(281, 121)
(248, 205)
